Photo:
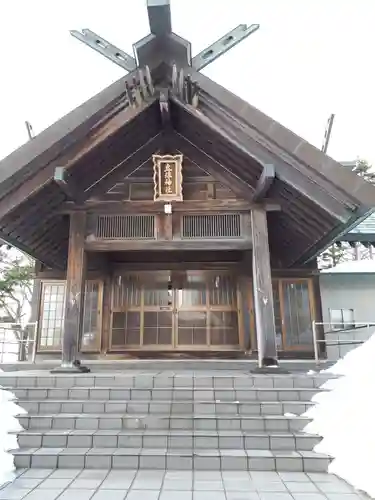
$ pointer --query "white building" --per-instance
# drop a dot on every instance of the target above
(348, 304)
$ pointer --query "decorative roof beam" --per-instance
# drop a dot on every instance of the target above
(165, 109)
(126, 167)
(159, 17)
(222, 45)
(219, 171)
(105, 48)
(265, 182)
(61, 177)
(161, 44)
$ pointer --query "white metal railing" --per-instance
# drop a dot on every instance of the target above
(345, 327)
(17, 343)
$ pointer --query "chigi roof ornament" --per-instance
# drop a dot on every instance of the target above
(161, 45)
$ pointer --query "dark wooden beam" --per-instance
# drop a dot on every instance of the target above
(118, 267)
(313, 163)
(220, 172)
(124, 168)
(72, 128)
(288, 169)
(74, 297)
(99, 133)
(264, 183)
(95, 206)
(263, 292)
(107, 245)
(61, 177)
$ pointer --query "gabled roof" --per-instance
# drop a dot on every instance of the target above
(113, 133)
(364, 232)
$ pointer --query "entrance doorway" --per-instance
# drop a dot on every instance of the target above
(183, 310)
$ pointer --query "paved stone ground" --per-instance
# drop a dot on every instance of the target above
(71, 484)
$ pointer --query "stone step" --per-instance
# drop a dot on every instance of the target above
(165, 380)
(179, 394)
(165, 407)
(167, 439)
(127, 458)
(89, 421)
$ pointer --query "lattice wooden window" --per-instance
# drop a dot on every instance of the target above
(91, 330)
(211, 226)
(52, 315)
(53, 311)
(131, 227)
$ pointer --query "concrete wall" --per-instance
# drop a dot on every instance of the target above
(348, 291)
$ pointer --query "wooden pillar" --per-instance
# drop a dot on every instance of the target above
(74, 296)
(263, 294)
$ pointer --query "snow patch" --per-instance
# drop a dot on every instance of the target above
(344, 417)
(8, 423)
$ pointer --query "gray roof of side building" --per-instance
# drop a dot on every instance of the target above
(365, 231)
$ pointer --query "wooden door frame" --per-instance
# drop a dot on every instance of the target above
(279, 281)
(312, 308)
(175, 346)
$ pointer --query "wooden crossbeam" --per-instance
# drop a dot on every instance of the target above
(264, 183)
(61, 177)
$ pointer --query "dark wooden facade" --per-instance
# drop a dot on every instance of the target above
(231, 269)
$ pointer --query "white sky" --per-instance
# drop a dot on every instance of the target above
(310, 58)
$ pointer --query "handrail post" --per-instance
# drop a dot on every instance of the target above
(33, 353)
(2, 352)
(315, 340)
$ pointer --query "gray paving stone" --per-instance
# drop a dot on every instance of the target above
(86, 484)
(143, 495)
(271, 486)
(301, 487)
(26, 482)
(64, 473)
(109, 495)
(311, 496)
(71, 461)
(11, 493)
(242, 495)
(207, 463)
(173, 495)
(72, 494)
(295, 477)
(208, 485)
(37, 473)
(208, 495)
(39, 494)
(239, 485)
(177, 485)
(334, 487)
(275, 496)
(56, 483)
(342, 496)
(116, 484)
(147, 483)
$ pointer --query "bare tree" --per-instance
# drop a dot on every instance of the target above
(16, 289)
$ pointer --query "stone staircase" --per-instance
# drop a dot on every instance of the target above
(166, 420)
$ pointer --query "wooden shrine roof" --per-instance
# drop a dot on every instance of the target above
(111, 135)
